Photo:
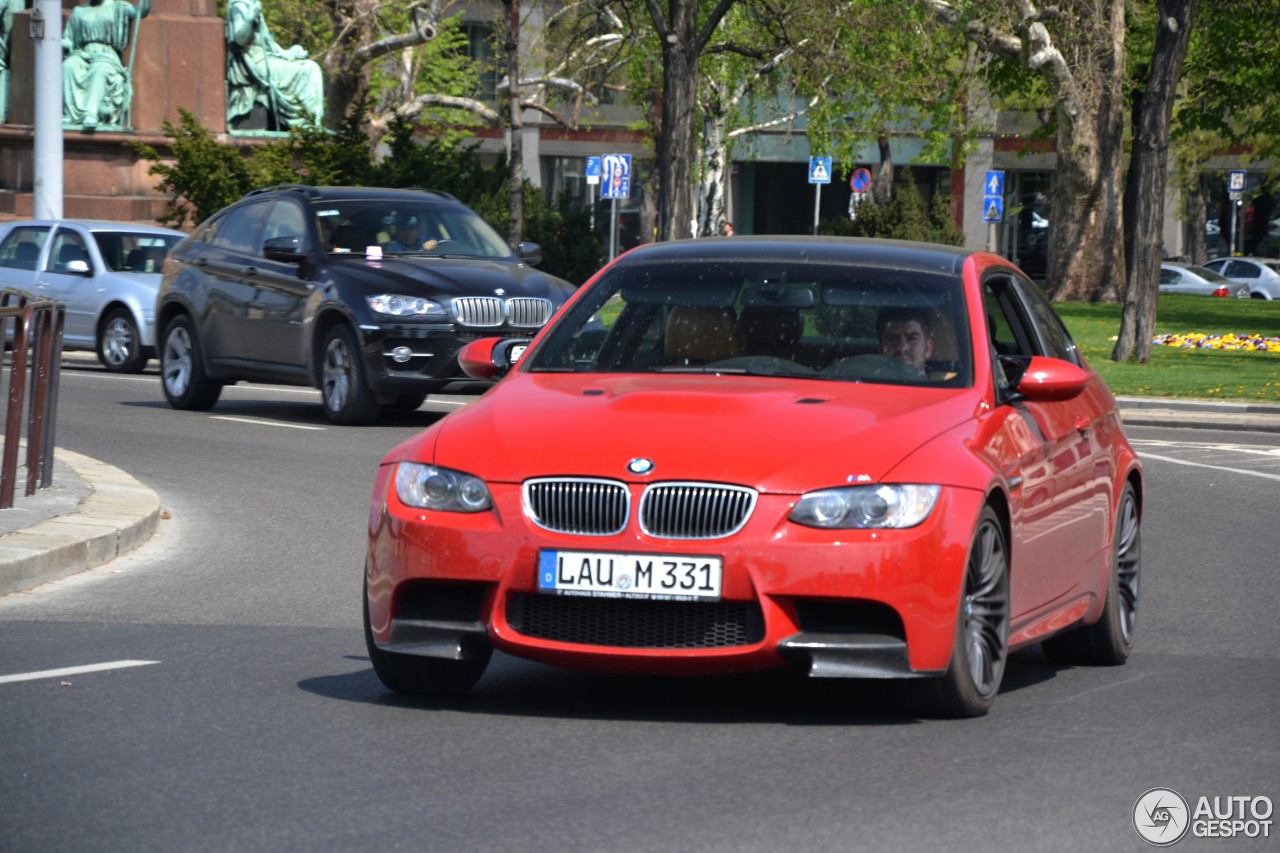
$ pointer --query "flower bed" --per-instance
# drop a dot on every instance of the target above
(1200, 340)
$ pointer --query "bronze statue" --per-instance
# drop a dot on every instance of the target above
(96, 87)
(268, 87)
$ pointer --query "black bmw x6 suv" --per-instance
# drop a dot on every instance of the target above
(366, 294)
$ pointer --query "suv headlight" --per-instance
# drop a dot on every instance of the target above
(429, 487)
(405, 306)
(882, 506)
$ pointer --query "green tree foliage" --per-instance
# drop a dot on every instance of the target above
(905, 217)
(205, 177)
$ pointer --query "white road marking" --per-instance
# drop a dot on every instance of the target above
(262, 422)
(74, 670)
(1245, 471)
(1260, 450)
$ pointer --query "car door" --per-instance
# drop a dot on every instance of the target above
(68, 275)
(20, 254)
(1059, 481)
(275, 332)
(227, 258)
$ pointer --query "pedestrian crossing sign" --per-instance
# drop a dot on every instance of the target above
(819, 170)
(993, 209)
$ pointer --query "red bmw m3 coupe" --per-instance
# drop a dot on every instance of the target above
(857, 458)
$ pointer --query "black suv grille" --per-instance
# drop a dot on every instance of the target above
(489, 311)
(636, 624)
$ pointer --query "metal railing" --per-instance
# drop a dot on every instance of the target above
(32, 333)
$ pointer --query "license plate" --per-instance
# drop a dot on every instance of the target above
(613, 575)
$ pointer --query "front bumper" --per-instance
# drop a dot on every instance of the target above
(850, 603)
(400, 358)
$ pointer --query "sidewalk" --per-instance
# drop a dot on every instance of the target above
(93, 512)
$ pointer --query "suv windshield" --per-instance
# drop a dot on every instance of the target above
(765, 318)
(400, 228)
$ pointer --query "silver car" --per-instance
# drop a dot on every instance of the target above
(1178, 277)
(105, 273)
(1262, 275)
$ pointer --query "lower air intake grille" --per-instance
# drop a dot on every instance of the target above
(638, 624)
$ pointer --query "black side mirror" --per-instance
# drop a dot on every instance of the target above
(530, 253)
(284, 249)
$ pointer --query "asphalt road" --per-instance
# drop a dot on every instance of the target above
(246, 716)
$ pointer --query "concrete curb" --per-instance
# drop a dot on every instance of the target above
(118, 515)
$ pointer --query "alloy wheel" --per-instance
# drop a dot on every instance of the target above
(986, 610)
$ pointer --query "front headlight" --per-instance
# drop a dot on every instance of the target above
(882, 506)
(429, 487)
(405, 306)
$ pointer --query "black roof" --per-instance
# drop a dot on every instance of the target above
(335, 193)
(860, 251)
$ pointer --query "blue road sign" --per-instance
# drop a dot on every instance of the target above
(994, 185)
(860, 181)
(1236, 180)
(593, 169)
(819, 170)
(992, 208)
(617, 176)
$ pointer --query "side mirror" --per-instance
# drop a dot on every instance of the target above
(530, 253)
(78, 268)
(491, 358)
(284, 249)
(1049, 380)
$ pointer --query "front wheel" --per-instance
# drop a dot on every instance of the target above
(120, 344)
(1108, 641)
(186, 385)
(982, 629)
(348, 399)
(423, 676)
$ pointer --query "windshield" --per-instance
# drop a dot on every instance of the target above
(791, 319)
(133, 251)
(398, 228)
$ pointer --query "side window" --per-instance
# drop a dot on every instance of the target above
(21, 247)
(1239, 269)
(1057, 340)
(242, 229)
(1012, 335)
(68, 246)
(287, 220)
(1168, 276)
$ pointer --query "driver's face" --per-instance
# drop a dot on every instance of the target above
(906, 341)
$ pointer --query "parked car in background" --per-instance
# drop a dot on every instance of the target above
(105, 273)
(1177, 277)
(1262, 275)
(858, 458)
(366, 294)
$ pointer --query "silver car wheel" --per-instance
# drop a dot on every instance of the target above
(336, 387)
(1128, 561)
(118, 341)
(175, 362)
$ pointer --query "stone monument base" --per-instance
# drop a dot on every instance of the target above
(180, 62)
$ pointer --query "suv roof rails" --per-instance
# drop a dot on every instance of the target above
(441, 193)
(308, 189)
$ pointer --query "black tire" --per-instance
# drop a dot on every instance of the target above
(981, 645)
(421, 676)
(120, 344)
(344, 389)
(1109, 641)
(182, 374)
(409, 402)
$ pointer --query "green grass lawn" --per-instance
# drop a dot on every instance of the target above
(1175, 372)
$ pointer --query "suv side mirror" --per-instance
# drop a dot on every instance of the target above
(530, 253)
(284, 249)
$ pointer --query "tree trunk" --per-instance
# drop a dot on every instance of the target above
(346, 82)
(882, 182)
(1147, 170)
(515, 200)
(674, 154)
(714, 157)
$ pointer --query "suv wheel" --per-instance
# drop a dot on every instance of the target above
(348, 400)
(186, 385)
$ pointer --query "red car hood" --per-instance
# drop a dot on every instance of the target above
(773, 434)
